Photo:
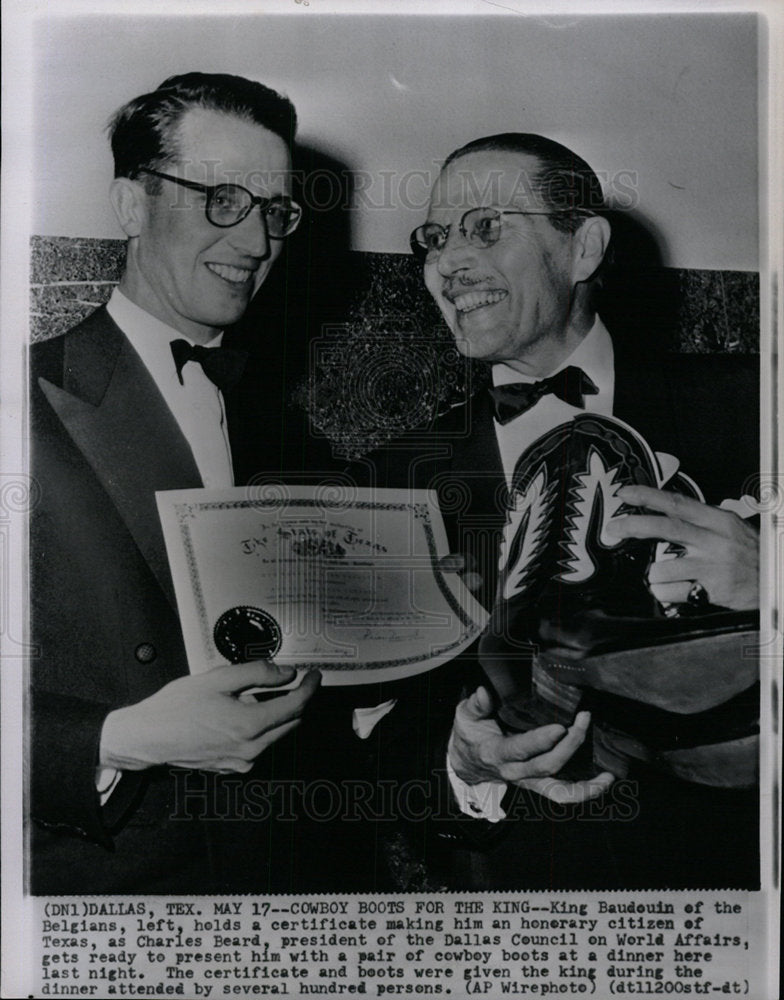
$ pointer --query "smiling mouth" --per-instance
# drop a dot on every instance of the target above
(234, 275)
(470, 301)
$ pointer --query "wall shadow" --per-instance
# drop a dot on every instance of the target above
(639, 300)
(316, 278)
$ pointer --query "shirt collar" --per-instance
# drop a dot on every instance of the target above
(594, 354)
(137, 324)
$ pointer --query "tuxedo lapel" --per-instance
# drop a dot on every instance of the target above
(479, 493)
(114, 413)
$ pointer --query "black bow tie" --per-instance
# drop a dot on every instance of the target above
(222, 365)
(570, 384)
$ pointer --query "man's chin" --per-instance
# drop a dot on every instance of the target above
(217, 320)
(476, 346)
(233, 307)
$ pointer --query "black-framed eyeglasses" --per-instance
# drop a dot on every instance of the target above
(228, 204)
(481, 227)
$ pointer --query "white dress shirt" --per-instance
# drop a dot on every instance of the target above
(594, 355)
(196, 404)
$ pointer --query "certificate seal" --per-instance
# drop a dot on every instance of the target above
(244, 633)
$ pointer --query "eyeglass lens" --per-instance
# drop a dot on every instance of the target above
(230, 203)
(480, 226)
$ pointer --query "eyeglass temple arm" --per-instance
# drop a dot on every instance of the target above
(177, 180)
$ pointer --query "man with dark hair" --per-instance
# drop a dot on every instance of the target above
(138, 398)
(144, 131)
(563, 183)
(514, 243)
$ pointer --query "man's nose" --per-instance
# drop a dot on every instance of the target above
(457, 253)
(251, 236)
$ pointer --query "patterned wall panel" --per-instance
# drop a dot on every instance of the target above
(376, 360)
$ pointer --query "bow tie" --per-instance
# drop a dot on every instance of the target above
(570, 384)
(222, 365)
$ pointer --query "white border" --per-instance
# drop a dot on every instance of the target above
(18, 16)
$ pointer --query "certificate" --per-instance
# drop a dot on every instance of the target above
(345, 581)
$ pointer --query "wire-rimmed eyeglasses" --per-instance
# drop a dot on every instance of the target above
(481, 227)
(228, 204)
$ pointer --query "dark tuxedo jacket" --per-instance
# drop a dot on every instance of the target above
(107, 634)
(652, 830)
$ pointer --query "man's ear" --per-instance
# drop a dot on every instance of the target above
(589, 247)
(129, 201)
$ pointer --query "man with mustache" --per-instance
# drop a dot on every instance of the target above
(513, 250)
(138, 398)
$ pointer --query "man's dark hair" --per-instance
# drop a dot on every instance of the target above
(564, 183)
(144, 131)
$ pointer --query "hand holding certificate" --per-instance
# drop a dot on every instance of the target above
(349, 584)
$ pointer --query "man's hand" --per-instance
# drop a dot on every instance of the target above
(722, 550)
(479, 751)
(199, 721)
